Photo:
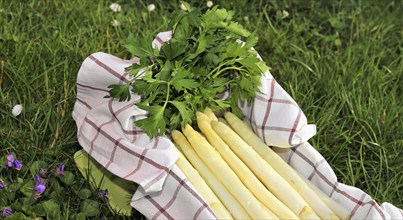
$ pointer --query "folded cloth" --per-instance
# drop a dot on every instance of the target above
(311, 165)
(106, 130)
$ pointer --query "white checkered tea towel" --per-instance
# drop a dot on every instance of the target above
(106, 131)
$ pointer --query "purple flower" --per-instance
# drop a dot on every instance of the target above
(2, 184)
(37, 179)
(6, 212)
(40, 186)
(17, 165)
(103, 194)
(12, 162)
(59, 171)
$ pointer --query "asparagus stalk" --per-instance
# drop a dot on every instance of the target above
(210, 114)
(224, 174)
(223, 121)
(338, 209)
(201, 186)
(233, 206)
(282, 168)
(242, 171)
(269, 177)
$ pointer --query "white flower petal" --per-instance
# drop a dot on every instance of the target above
(285, 13)
(115, 7)
(209, 4)
(17, 109)
(151, 7)
(115, 23)
(183, 7)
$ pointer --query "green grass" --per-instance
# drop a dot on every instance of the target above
(340, 60)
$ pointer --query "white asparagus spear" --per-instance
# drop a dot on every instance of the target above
(223, 121)
(269, 177)
(282, 168)
(224, 174)
(233, 206)
(201, 186)
(242, 171)
(210, 114)
(338, 209)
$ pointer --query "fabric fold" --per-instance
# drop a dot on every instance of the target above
(276, 117)
(311, 165)
(106, 129)
(178, 200)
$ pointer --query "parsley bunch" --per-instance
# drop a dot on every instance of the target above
(207, 55)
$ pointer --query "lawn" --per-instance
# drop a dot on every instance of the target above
(340, 60)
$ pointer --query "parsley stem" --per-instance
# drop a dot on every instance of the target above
(220, 66)
(228, 68)
(167, 97)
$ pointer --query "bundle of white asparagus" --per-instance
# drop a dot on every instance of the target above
(240, 177)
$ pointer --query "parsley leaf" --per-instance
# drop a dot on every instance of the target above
(120, 91)
(184, 111)
(139, 47)
(204, 59)
(155, 123)
(172, 50)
